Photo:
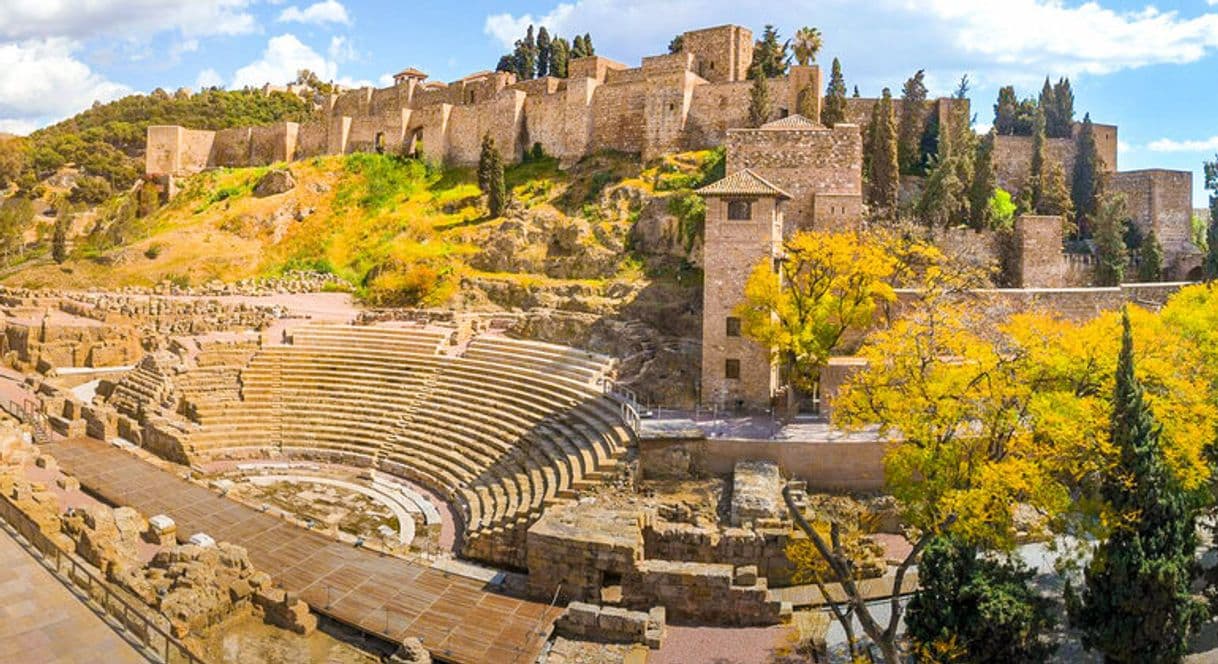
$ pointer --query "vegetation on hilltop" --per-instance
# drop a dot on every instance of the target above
(401, 231)
(107, 141)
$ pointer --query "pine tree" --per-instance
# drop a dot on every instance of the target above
(1150, 259)
(1063, 95)
(1005, 111)
(1086, 186)
(1048, 106)
(1037, 173)
(885, 169)
(759, 98)
(1110, 220)
(834, 108)
(676, 45)
(770, 57)
(560, 54)
(941, 202)
(544, 52)
(913, 115)
(1055, 193)
(986, 607)
(985, 182)
(1135, 605)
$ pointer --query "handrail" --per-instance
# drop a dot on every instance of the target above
(628, 403)
(156, 642)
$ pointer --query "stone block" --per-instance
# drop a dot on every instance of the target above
(746, 575)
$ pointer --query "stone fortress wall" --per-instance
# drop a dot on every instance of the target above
(694, 99)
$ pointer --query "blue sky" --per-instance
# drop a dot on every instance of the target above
(1150, 68)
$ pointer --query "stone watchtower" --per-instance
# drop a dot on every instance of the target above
(744, 228)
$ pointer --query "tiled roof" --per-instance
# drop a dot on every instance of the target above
(792, 122)
(743, 183)
(410, 72)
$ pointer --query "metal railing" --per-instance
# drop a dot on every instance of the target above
(126, 617)
(628, 403)
(29, 411)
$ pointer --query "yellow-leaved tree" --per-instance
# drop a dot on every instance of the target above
(987, 415)
(827, 284)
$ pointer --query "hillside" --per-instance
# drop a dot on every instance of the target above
(106, 142)
(402, 232)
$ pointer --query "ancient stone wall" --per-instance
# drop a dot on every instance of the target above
(1013, 159)
(713, 110)
(579, 549)
(705, 592)
(722, 54)
(804, 162)
(1040, 262)
(763, 547)
(826, 465)
(1161, 200)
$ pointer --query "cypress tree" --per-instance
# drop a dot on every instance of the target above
(759, 98)
(1063, 96)
(1048, 106)
(588, 47)
(985, 182)
(834, 108)
(1110, 249)
(1005, 111)
(496, 196)
(1037, 174)
(676, 45)
(913, 114)
(885, 168)
(1086, 186)
(1054, 193)
(544, 52)
(1135, 605)
(526, 58)
(560, 54)
(485, 162)
(1211, 237)
(1150, 259)
(770, 55)
(578, 48)
(856, 94)
(59, 238)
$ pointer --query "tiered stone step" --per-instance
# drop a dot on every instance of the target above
(502, 432)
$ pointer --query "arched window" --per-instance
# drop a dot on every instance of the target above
(739, 210)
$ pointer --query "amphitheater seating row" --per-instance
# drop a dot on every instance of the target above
(501, 430)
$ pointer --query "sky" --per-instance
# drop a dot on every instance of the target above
(1152, 69)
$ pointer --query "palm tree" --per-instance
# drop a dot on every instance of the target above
(807, 44)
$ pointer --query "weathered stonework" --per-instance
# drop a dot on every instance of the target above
(733, 248)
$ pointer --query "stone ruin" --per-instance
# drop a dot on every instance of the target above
(192, 587)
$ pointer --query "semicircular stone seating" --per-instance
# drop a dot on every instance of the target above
(502, 430)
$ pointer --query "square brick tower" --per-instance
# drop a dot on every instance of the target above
(744, 228)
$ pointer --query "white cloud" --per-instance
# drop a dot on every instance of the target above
(41, 80)
(327, 11)
(342, 50)
(284, 56)
(1170, 145)
(81, 19)
(209, 78)
(16, 126)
